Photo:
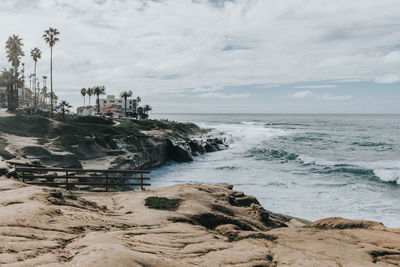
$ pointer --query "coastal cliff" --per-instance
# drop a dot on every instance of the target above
(85, 142)
(180, 225)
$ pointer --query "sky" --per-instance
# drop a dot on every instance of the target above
(250, 56)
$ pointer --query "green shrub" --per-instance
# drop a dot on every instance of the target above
(25, 125)
(162, 203)
(92, 119)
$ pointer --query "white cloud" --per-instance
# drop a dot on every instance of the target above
(389, 78)
(153, 47)
(316, 86)
(303, 94)
(310, 94)
(337, 97)
(223, 96)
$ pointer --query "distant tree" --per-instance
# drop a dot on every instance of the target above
(125, 95)
(43, 96)
(14, 53)
(53, 97)
(44, 90)
(146, 109)
(83, 93)
(64, 106)
(89, 92)
(98, 91)
(140, 112)
(35, 54)
(50, 37)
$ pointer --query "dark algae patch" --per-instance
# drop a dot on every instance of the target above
(3, 153)
(162, 203)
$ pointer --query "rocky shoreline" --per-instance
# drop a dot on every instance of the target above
(180, 225)
(91, 143)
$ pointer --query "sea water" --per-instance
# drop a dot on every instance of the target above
(309, 166)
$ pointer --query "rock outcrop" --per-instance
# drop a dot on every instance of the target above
(53, 227)
(91, 142)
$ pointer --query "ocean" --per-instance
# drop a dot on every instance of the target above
(309, 166)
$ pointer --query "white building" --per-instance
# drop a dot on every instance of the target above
(24, 97)
(131, 103)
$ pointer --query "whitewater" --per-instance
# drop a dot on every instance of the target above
(310, 166)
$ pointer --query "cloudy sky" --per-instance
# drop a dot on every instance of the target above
(272, 56)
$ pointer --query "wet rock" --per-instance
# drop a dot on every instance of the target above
(210, 148)
(243, 201)
(196, 147)
(178, 152)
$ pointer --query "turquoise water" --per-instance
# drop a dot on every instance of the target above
(310, 166)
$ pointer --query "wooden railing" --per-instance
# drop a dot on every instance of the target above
(90, 177)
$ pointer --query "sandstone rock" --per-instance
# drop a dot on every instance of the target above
(341, 223)
(64, 160)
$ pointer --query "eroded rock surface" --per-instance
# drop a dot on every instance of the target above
(127, 144)
(54, 227)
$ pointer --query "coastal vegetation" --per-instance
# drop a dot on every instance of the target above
(38, 100)
(13, 78)
(64, 106)
(125, 95)
(98, 91)
(162, 203)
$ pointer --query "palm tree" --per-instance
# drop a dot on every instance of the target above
(83, 93)
(89, 92)
(43, 96)
(45, 89)
(14, 53)
(146, 109)
(50, 37)
(140, 112)
(125, 95)
(64, 106)
(53, 97)
(35, 54)
(99, 90)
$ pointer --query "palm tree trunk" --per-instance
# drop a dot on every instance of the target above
(125, 106)
(98, 104)
(34, 86)
(16, 91)
(84, 104)
(9, 97)
(51, 80)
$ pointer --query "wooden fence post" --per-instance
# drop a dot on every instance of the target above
(141, 180)
(66, 180)
(106, 172)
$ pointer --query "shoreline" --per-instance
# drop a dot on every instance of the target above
(85, 141)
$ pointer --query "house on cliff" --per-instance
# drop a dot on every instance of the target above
(110, 100)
